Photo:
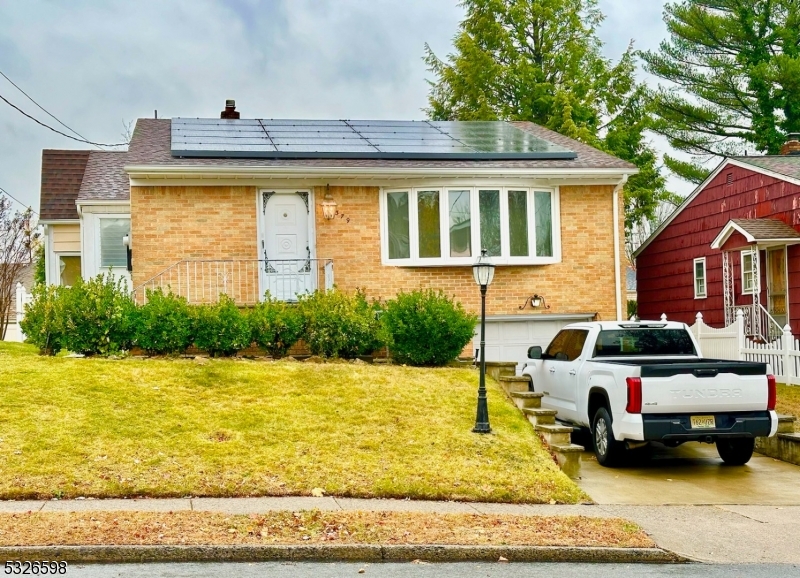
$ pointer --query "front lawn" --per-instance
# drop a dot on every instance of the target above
(788, 402)
(160, 427)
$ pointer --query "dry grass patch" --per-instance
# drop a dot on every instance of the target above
(172, 428)
(788, 402)
(200, 528)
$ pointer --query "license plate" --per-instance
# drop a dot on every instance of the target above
(703, 422)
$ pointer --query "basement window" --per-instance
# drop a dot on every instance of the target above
(450, 225)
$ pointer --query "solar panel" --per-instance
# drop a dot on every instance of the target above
(385, 139)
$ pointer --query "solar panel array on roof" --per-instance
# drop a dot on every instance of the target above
(269, 138)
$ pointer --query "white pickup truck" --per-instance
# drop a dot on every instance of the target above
(632, 383)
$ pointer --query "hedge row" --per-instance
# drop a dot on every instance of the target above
(98, 317)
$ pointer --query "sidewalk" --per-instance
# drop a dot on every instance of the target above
(718, 533)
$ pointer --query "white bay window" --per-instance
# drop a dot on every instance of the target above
(450, 225)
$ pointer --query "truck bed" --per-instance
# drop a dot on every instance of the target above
(699, 367)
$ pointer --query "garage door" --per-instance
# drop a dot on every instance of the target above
(508, 337)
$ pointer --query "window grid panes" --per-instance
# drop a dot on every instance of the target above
(700, 278)
(544, 224)
(460, 223)
(428, 220)
(450, 225)
(489, 211)
(112, 251)
(518, 223)
(748, 272)
(397, 212)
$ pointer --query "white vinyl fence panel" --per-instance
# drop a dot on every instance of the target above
(782, 354)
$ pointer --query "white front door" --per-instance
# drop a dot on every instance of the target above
(286, 269)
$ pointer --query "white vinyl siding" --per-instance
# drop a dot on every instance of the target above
(700, 278)
(450, 225)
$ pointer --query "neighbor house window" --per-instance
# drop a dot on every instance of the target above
(700, 278)
(450, 225)
(69, 269)
(112, 251)
(749, 272)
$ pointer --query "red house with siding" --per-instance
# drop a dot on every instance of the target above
(734, 243)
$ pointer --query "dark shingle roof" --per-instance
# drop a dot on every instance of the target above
(104, 177)
(62, 173)
(151, 146)
(788, 165)
(767, 229)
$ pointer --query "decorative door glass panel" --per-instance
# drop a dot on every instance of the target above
(112, 251)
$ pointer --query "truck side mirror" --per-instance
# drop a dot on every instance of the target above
(535, 352)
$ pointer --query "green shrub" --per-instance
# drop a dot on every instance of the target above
(427, 328)
(164, 323)
(220, 329)
(98, 316)
(340, 325)
(275, 325)
(633, 308)
(43, 319)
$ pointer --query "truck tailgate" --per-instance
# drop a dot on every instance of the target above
(716, 386)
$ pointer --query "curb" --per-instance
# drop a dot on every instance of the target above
(338, 553)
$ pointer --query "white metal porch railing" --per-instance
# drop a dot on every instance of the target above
(758, 323)
(244, 280)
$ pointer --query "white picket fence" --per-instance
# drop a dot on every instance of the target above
(782, 354)
(13, 331)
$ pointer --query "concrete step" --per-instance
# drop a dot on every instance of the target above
(555, 434)
(786, 423)
(514, 383)
(538, 416)
(527, 399)
(569, 458)
(498, 369)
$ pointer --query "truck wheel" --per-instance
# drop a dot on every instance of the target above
(606, 448)
(736, 451)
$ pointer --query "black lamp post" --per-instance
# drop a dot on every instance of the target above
(483, 272)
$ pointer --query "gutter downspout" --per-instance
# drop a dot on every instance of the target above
(617, 264)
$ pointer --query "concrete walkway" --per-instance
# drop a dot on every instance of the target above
(717, 533)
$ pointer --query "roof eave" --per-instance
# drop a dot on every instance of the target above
(145, 172)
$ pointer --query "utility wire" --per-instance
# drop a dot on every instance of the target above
(29, 97)
(5, 192)
(37, 121)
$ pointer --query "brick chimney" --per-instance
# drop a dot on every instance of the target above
(230, 112)
(792, 144)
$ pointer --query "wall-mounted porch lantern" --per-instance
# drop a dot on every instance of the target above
(535, 300)
(328, 204)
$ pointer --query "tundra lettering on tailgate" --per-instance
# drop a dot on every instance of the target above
(705, 393)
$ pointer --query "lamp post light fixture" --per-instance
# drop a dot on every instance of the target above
(483, 272)
(328, 204)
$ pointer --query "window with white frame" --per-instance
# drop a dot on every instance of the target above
(700, 278)
(112, 251)
(749, 274)
(450, 225)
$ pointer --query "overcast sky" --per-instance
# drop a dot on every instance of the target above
(96, 64)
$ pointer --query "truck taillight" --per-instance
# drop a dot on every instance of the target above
(634, 394)
(772, 392)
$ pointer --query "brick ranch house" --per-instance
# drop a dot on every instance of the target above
(239, 205)
(734, 243)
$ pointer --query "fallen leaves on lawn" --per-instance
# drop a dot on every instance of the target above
(201, 528)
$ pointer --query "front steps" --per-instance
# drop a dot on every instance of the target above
(556, 436)
(784, 446)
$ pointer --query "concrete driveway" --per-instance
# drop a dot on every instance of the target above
(692, 474)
